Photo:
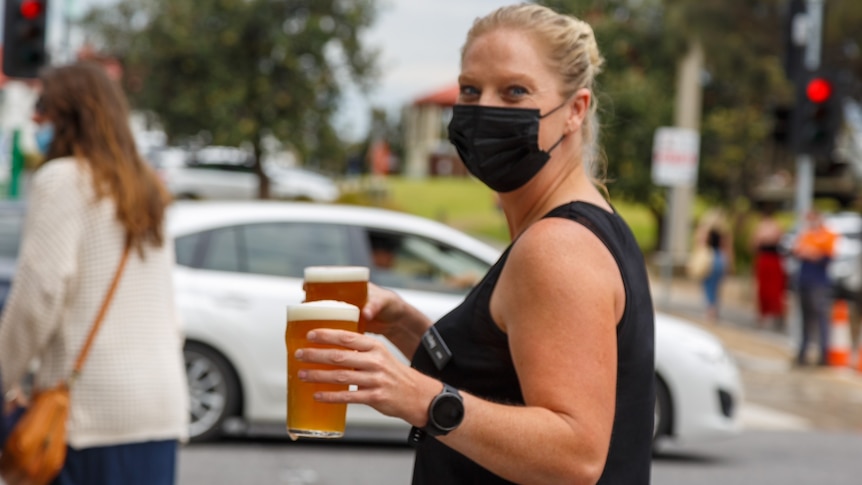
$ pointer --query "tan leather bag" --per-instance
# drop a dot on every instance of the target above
(700, 262)
(35, 451)
(36, 448)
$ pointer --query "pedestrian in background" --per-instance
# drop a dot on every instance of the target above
(769, 272)
(814, 249)
(713, 237)
(92, 197)
(545, 373)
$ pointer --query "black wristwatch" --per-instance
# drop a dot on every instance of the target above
(445, 413)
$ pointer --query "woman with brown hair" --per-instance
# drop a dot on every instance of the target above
(93, 196)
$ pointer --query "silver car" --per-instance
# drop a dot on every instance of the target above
(226, 173)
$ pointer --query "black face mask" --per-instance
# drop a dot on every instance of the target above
(499, 146)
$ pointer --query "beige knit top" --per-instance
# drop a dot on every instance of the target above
(133, 386)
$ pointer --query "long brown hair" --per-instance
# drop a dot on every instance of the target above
(91, 123)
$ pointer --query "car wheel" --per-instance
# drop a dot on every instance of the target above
(213, 391)
(663, 410)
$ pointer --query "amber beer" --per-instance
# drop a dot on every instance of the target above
(340, 283)
(305, 416)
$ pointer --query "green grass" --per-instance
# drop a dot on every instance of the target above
(466, 204)
(641, 222)
(462, 203)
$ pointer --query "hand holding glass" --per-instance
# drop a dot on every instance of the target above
(341, 283)
(305, 416)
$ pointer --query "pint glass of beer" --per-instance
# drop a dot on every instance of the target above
(305, 416)
(341, 283)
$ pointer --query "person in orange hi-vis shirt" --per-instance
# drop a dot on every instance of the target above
(814, 249)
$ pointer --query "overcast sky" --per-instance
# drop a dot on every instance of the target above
(420, 42)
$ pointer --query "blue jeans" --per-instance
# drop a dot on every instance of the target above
(816, 301)
(149, 463)
(712, 282)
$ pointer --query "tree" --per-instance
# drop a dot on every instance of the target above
(242, 71)
(743, 83)
(633, 91)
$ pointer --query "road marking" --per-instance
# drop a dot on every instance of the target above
(298, 476)
(757, 417)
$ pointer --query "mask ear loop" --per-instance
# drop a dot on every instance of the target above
(555, 144)
(549, 113)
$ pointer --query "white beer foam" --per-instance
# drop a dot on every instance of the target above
(335, 274)
(323, 310)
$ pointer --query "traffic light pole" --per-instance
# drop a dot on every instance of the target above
(804, 186)
(805, 161)
(811, 62)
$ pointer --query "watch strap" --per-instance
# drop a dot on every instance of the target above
(417, 435)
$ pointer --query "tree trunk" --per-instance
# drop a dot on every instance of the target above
(660, 221)
(263, 180)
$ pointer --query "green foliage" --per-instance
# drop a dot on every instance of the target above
(632, 92)
(462, 202)
(470, 206)
(743, 80)
(238, 71)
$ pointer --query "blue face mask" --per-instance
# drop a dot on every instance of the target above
(44, 137)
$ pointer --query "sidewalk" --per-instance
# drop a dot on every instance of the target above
(826, 398)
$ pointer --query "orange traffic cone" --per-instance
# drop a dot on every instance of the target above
(839, 336)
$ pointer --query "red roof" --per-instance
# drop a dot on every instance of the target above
(447, 96)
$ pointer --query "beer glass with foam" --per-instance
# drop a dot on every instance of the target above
(305, 416)
(341, 283)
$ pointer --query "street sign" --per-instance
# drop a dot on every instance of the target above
(675, 156)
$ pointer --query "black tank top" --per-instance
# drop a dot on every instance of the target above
(482, 365)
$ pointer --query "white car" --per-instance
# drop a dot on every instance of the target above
(240, 265)
(226, 173)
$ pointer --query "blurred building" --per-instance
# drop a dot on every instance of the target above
(848, 146)
(427, 150)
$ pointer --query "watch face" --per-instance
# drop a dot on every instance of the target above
(448, 411)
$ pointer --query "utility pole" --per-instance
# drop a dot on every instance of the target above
(687, 114)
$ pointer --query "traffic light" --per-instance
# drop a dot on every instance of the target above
(24, 29)
(782, 117)
(818, 115)
(794, 48)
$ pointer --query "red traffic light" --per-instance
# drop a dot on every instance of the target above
(818, 90)
(31, 9)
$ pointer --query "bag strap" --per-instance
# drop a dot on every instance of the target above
(82, 356)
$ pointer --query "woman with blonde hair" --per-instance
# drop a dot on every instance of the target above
(93, 197)
(545, 373)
